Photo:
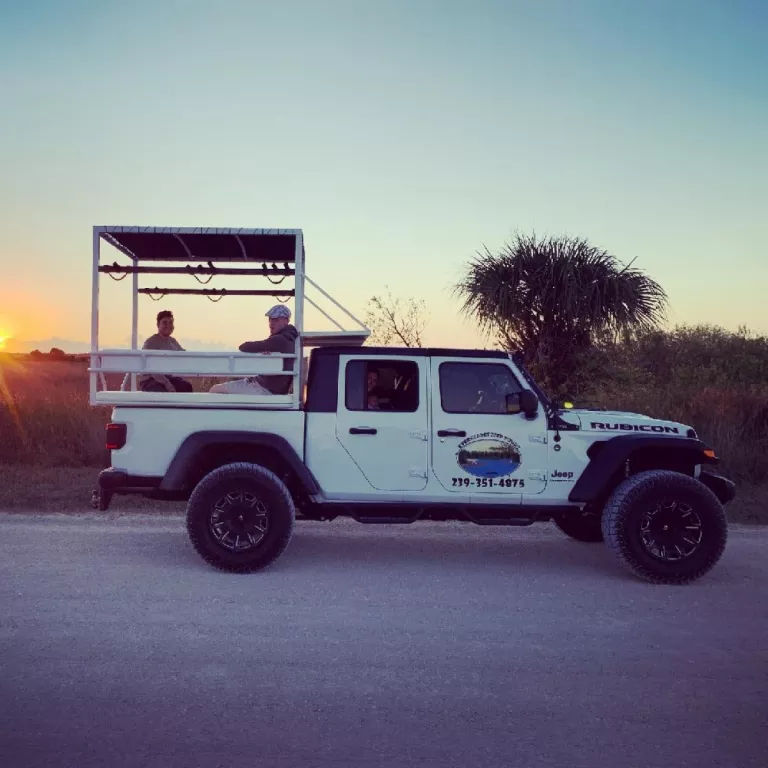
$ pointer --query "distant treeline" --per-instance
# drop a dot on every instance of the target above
(54, 355)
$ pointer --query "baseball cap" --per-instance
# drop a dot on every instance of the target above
(279, 310)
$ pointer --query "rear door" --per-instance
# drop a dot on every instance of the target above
(382, 419)
(478, 447)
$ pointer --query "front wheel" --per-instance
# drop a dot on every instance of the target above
(240, 517)
(665, 527)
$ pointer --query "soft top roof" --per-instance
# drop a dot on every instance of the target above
(203, 243)
(496, 354)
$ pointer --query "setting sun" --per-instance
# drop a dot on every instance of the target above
(6, 334)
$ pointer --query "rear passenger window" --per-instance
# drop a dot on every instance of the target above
(382, 385)
(476, 387)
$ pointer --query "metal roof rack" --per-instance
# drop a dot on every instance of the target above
(274, 255)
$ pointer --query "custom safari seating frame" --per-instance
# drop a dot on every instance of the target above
(273, 256)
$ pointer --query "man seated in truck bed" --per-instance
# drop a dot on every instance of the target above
(164, 340)
(282, 338)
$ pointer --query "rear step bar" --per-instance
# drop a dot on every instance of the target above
(402, 520)
(405, 514)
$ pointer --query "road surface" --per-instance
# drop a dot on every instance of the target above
(425, 645)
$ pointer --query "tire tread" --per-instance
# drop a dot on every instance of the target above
(616, 510)
(221, 474)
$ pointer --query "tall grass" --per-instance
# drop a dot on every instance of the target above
(712, 380)
(706, 377)
(45, 418)
(733, 422)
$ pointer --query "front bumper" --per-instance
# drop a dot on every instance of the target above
(112, 481)
(722, 487)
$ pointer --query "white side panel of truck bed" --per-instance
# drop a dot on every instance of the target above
(155, 434)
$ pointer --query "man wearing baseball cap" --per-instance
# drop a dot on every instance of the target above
(282, 338)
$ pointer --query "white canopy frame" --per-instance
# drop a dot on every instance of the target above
(233, 260)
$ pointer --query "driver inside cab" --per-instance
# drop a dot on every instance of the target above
(376, 395)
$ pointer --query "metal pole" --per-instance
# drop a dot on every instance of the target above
(135, 321)
(333, 301)
(323, 313)
(95, 311)
(211, 292)
(298, 317)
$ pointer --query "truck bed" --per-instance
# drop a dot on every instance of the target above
(155, 434)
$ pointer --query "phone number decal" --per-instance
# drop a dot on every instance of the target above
(487, 482)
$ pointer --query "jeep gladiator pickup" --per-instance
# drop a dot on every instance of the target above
(396, 435)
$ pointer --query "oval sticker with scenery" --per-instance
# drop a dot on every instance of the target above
(489, 455)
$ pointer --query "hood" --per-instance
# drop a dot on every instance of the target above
(289, 332)
(619, 422)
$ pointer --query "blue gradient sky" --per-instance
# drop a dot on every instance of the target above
(401, 136)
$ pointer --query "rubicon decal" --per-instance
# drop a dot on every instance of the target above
(658, 428)
(489, 455)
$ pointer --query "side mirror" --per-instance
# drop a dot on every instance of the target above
(523, 402)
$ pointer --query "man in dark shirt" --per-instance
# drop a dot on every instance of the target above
(164, 340)
(282, 338)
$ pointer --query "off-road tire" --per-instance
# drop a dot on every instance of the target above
(257, 482)
(631, 503)
(581, 526)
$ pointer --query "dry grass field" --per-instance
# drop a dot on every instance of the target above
(52, 441)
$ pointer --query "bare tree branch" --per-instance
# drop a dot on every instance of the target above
(395, 321)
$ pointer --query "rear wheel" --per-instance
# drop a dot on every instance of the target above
(666, 527)
(583, 526)
(240, 517)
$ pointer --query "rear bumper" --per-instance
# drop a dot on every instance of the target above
(722, 487)
(112, 481)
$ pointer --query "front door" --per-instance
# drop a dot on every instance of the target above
(478, 447)
(382, 419)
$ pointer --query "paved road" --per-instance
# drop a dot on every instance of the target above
(429, 645)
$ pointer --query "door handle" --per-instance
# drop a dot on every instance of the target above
(451, 433)
(362, 431)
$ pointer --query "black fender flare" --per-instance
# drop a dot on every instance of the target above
(595, 480)
(183, 463)
(722, 487)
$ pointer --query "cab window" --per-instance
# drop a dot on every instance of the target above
(382, 385)
(476, 387)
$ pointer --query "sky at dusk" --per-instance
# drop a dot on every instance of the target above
(402, 136)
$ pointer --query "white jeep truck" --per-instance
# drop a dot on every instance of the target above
(447, 434)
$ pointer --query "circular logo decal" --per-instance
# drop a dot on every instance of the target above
(489, 455)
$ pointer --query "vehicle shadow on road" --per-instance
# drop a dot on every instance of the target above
(391, 547)
(332, 546)
(328, 548)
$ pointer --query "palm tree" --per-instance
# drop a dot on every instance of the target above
(551, 299)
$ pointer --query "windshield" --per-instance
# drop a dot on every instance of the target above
(517, 360)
